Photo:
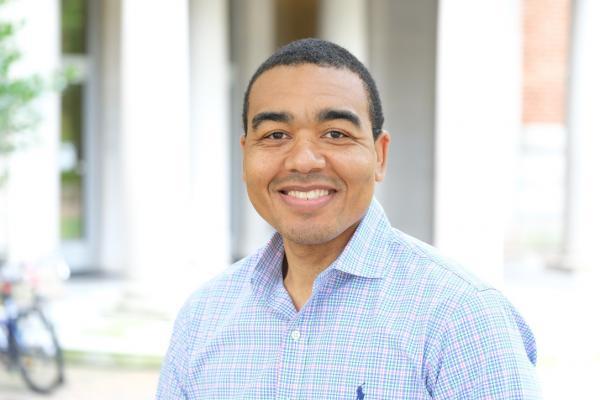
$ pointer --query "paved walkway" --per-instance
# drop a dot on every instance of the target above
(562, 310)
(88, 383)
(113, 345)
(103, 320)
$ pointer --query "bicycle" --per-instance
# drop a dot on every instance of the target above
(28, 342)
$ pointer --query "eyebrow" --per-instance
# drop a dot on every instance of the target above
(333, 114)
(270, 116)
(329, 114)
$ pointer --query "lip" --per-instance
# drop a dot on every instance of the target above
(302, 205)
(306, 188)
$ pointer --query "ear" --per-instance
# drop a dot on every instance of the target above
(243, 147)
(381, 149)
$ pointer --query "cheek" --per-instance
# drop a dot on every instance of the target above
(255, 168)
(259, 171)
(356, 168)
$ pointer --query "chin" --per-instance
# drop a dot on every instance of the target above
(310, 236)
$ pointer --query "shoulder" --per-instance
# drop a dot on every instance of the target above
(195, 320)
(454, 300)
(220, 293)
(449, 298)
(426, 264)
(419, 266)
(419, 279)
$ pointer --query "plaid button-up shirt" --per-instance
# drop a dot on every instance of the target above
(389, 319)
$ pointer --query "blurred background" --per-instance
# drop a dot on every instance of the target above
(124, 164)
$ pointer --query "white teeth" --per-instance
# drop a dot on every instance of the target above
(313, 194)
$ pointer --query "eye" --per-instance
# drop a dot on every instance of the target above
(277, 135)
(335, 135)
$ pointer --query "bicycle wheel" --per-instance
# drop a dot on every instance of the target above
(39, 355)
(4, 346)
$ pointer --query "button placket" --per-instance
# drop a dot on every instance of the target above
(293, 349)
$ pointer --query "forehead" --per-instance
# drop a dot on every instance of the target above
(300, 88)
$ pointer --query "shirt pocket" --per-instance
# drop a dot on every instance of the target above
(368, 363)
(392, 371)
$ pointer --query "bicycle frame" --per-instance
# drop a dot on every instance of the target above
(11, 311)
(17, 351)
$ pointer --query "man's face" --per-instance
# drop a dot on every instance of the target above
(310, 161)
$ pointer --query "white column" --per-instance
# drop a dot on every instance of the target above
(478, 114)
(156, 144)
(210, 145)
(582, 233)
(113, 237)
(345, 22)
(253, 41)
(402, 60)
(33, 190)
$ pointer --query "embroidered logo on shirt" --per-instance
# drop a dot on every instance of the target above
(360, 395)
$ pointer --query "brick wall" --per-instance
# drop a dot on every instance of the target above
(546, 29)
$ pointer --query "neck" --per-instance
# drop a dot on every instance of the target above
(303, 263)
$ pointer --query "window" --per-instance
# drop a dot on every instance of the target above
(72, 155)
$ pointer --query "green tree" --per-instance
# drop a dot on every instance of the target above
(18, 116)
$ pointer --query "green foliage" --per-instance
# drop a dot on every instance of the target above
(73, 18)
(17, 116)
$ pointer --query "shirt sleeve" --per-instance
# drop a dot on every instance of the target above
(487, 351)
(172, 379)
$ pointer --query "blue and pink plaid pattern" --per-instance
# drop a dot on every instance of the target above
(389, 319)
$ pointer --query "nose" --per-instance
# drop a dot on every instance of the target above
(304, 157)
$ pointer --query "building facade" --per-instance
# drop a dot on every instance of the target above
(139, 169)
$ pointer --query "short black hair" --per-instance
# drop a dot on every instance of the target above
(326, 54)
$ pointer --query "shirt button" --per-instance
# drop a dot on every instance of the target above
(295, 335)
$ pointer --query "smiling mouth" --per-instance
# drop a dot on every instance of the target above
(308, 195)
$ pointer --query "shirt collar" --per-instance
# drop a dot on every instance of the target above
(267, 263)
(364, 255)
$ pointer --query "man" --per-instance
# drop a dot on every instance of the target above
(338, 304)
